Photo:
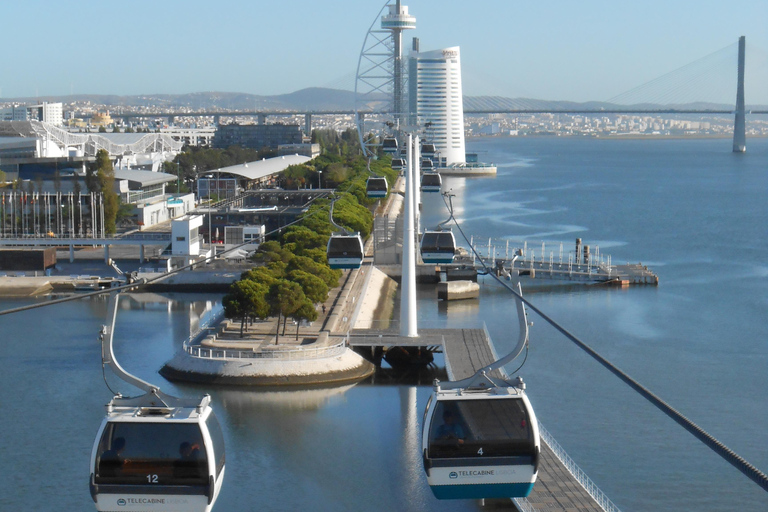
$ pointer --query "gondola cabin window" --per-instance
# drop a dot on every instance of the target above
(152, 453)
(488, 428)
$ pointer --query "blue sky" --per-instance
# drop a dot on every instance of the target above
(558, 50)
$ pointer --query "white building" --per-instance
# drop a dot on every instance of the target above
(51, 113)
(435, 97)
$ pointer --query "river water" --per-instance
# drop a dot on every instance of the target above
(689, 209)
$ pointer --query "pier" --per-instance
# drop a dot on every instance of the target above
(581, 265)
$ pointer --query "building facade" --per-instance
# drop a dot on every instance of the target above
(435, 101)
(51, 113)
(257, 136)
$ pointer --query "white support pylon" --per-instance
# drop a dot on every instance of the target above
(408, 317)
(417, 183)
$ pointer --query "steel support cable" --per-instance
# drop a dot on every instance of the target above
(663, 81)
(707, 78)
(672, 75)
(721, 449)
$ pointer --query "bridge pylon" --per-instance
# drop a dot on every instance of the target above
(739, 123)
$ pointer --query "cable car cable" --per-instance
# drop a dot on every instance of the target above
(713, 443)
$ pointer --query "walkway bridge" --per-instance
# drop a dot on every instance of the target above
(133, 239)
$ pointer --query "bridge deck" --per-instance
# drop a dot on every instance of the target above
(466, 351)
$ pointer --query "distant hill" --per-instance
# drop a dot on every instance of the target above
(317, 98)
(313, 98)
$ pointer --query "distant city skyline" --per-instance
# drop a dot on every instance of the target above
(592, 50)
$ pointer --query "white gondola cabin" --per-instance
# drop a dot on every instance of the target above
(398, 164)
(427, 165)
(157, 458)
(437, 247)
(345, 251)
(428, 150)
(431, 182)
(389, 145)
(480, 443)
(376, 187)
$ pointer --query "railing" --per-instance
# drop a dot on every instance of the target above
(523, 505)
(588, 485)
(66, 238)
(294, 354)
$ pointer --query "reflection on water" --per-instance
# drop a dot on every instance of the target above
(280, 399)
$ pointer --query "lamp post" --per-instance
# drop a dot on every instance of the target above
(319, 179)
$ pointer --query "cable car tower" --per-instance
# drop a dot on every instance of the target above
(380, 83)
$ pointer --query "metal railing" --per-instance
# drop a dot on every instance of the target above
(588, 485)
(293, 354)
(523, 505)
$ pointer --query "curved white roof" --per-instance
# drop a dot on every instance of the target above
(262, 168)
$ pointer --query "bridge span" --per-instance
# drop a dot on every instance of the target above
(135, 239)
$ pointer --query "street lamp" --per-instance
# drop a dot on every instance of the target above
(319, 179)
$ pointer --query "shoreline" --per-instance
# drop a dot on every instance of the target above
(633, 136)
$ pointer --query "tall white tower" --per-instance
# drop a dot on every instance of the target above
(396, 21)
(435, 97)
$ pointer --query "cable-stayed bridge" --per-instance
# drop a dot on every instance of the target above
(702, 87)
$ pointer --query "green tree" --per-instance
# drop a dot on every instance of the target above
(105, 175)
(306, 312)
(329, 276)
(303, 239)
(76, 189)
(260, 275)
(315, 289)
(102, 129)
(285, 299)
(246, 299)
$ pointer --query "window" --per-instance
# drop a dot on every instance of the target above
(489, 428)
(152, 453)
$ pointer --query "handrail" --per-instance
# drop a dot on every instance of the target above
(523, 505)
(602, 500)
(291, 354)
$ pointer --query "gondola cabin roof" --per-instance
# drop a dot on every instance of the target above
(431, 182)
(159, 414)
(398, 163)
(389, 145)
(475, 393)
(376, 187)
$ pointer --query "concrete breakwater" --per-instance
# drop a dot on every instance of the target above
(256, 359)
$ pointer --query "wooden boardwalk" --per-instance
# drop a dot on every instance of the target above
(466, 351)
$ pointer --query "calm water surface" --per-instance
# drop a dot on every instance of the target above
(690, 210)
